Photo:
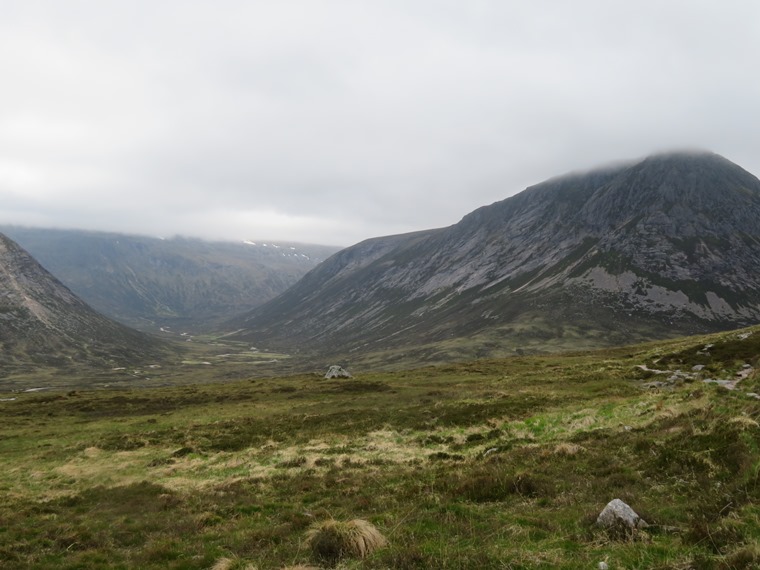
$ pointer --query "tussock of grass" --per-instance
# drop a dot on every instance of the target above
(232, 563)
(745, 557)
(744, 422)
(331, 541)
(568, 449)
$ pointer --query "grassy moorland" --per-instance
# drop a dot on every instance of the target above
(487, 464)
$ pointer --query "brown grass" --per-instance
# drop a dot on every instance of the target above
(567, 449)
(233, 563)
(743, 422)
(331, 540)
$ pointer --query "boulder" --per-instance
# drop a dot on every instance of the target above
(617, 514)
(336, 371)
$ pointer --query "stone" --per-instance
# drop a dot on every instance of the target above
(336, 371)
(617, 514)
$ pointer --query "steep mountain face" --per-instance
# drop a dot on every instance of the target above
(664, 246)
(43, 322)
(176, 284)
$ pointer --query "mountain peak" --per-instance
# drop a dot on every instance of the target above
(696, 186)
(665, 245)
(685, 154)
(690, 160)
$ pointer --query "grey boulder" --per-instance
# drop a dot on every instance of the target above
(336, 371)
(617, 514)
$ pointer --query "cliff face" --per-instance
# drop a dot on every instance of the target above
(667, 245)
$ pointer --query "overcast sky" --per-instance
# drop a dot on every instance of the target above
(334, 121)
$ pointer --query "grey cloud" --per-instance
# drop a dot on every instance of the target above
(334, 121)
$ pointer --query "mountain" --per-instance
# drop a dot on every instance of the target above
(174, 284)
(659, 247)
(44, 323)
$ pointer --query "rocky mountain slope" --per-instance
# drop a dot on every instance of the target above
(176, 284)
(660, 247)
(44, 323)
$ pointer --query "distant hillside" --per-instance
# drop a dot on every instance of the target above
(177, 284)
(665, 246)
(44, 323)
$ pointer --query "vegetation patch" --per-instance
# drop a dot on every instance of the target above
(493, 464)
(331, 541)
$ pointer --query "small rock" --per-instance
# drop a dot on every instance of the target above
(616, 513)
(603, 566)
(697, 367)
(336, 371)
(753, 395)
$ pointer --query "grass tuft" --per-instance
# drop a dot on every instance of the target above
(232, 563)
(743, 558)
(567, 449)
(332, 541)
(744, 422)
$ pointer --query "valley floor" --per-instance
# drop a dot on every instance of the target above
(490, 464)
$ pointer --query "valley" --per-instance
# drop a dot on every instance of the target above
(379, 285)
(592, 338)
(150, 283)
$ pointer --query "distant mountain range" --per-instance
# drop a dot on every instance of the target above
(660, 247)
(42, 323)
(175, 284)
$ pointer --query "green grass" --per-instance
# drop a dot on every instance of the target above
(492, 464)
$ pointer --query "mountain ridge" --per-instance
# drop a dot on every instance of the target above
(156, 285)
(44, 323)
(668, 244)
